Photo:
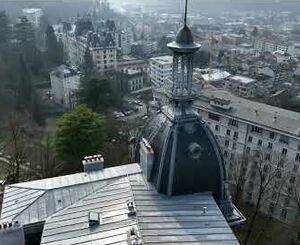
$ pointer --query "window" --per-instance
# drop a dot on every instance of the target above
(270, 145)
(283, 214)
(259, 142)
(250, 139)
(272, 135)
(295, 168)
(299, 147)
(233, 122)
(235, 135)
(213, 117)
(228, 132)
(284, 151)
(256, 129)
(225, 154)
(226, 143)
(248, 149)
(233, 146)
(217, 128)
(284, 139)
(268, 156)
(297, 157)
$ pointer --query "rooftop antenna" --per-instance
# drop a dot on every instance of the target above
(185, 11)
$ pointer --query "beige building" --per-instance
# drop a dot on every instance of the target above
(269, 137)
(104, 52)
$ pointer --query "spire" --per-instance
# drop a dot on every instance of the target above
(185, 11)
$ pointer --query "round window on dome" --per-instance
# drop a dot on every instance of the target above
(195, 150)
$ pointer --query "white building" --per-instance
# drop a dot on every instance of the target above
(33, 15)
(125, 41)
(266, 45)
(245, 128)
(160, 70)
(241, 86)
(64, 84)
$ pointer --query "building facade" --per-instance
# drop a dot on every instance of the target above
(65, 82)
(34, 16)
(267, 137)
(102, 44)
(160, 70)
(134, 80)
(241, 86)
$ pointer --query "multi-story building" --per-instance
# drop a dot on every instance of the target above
(269, 137)
(241, 86)
(134, 80)
(267, 45)
(125, 40)
(160, 69)
(101, 44)
(128, 62)
(65, 82)
(33, 15)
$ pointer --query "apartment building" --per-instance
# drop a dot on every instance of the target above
(160, 69)
(268, 137)
(267, 45)
(65, 83)
(134, 80)
(241, 86)
(34, 16)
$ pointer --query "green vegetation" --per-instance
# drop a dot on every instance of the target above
(79, 133)
(100, 94)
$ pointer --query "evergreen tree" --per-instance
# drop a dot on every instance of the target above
(4, 29)
(36, 109)
(88, 63)
(54, 48)
(24, 33)
(24, 86)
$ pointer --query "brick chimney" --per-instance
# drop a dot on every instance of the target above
(93, 163)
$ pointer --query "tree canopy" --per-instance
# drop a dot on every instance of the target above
(54, 48)
(79, 133)
(100, 94)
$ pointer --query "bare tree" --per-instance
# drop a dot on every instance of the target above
(43, 161)
(15, 149)
(266, 172)
(238, 176)
(296, 199)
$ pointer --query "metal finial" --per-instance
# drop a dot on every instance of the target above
(185, 11)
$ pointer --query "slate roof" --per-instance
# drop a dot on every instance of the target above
(159, 219)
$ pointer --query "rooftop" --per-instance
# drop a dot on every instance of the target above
(242, 79)
(65, 204)
(275, 118)
(163, 60)
(216, 74)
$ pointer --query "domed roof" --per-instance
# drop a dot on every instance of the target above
(187, 158)
(185, 36)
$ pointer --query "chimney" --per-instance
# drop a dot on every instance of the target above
(93, 163)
